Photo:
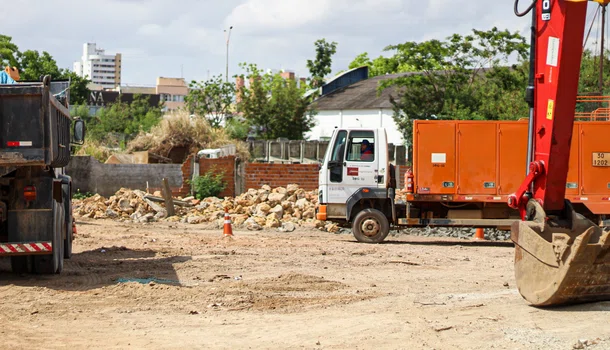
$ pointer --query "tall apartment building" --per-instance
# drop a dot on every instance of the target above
(101, 69)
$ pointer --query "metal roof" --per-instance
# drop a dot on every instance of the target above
(361, 94)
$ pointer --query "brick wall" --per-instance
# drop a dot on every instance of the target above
(226, 164)
(400, 174)
(281, 175)
(187, 172)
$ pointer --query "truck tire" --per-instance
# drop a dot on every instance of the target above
(370, 226)
(53, 263)
(68, 219)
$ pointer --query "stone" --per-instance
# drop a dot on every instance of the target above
(161, 214)
(272, 222)
(125, 204)
(263, 209)
(301, 203)
(287, 227)
(332, 228)
(252, 225)
(309, 213)
(239, 219)
(276, 197)
(278, 210)
(195, 219)
(292, 188)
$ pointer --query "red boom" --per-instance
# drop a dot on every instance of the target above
(560, 27)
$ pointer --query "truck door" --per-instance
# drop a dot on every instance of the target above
(362, 161)
(333, 177)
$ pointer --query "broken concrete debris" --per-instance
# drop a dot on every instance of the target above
(282, 208)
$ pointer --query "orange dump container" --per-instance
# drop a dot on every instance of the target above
(485, 161)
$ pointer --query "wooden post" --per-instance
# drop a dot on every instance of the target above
(169, 200)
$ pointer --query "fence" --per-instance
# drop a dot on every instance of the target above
(306, 152)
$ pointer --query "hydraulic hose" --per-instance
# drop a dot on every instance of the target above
(521, 14)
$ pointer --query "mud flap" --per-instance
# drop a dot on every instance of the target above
(561, 264)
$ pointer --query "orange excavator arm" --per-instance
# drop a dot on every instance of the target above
(560, 256)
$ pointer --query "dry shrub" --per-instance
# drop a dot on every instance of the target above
(177, 129)
(96, 150)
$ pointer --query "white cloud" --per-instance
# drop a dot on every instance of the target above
(278, 15)
(157, 37)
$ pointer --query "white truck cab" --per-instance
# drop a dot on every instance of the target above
(355, 168)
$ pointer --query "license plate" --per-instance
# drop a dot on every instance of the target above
(601, 159)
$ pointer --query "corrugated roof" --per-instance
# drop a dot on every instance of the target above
(360, 95)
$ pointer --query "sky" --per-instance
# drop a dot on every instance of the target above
(186, 38)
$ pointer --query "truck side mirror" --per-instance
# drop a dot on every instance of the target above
(79, 131)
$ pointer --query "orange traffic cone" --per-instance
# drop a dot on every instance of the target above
(228, 230)
(480, 234)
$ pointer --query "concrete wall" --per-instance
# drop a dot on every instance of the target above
(326, 121)
(89, 175)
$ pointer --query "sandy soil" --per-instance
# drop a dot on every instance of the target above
(177, 286)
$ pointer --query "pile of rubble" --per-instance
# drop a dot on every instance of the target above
(281, 208)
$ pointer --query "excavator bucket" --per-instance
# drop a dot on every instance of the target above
(565, 263)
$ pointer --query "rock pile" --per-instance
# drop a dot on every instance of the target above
(281, 208)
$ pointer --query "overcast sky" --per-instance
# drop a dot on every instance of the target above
(166, 38)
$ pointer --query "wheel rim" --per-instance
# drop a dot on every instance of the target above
(370, 227)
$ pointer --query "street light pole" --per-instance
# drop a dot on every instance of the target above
(227, 66)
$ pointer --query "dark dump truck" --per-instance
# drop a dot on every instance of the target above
(36, 223)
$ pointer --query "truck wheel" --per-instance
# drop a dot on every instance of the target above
(370, 226)
(53, 263)
(68, 219)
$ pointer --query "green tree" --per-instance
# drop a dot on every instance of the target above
(143, 115)
(79, 92)
(379, 66)
(464, 77)
(320, 67)
(238, 128)
(275, 106)
(120, 121)
(8, 52)
(33, 65)
(212, 98)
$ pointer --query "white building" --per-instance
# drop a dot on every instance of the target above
(101, 69)
(351, 100)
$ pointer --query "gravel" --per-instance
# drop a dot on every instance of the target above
(446, 232)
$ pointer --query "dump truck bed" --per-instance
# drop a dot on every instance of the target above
(485, 161)
(34, 127)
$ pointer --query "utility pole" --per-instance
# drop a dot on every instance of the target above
(227, 64)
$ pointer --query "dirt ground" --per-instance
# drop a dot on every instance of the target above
(178, 286)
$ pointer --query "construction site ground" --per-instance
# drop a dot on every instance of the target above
(178, 286)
